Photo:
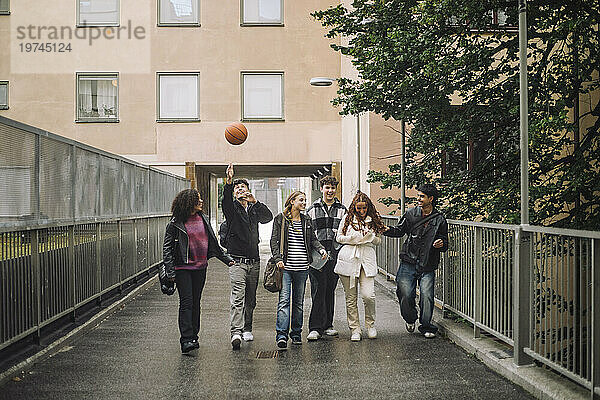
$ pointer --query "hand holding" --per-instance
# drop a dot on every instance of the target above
(250, 198)
(231, 263)
(323, 254)
(438, 243)
(280, 265)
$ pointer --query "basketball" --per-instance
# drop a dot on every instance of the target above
(236, 133)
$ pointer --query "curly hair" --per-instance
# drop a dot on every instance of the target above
(287, 211)
(184, 203)
(328, 180)
(376, 223)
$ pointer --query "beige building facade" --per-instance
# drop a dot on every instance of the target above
(158, 81)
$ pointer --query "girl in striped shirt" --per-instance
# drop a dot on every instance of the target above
(299, 241)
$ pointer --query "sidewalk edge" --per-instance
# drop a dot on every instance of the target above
(541, 383)
(90, 324)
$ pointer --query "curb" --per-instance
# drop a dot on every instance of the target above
(541, 383)
(54, 347)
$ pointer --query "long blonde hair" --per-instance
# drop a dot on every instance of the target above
(287, 211)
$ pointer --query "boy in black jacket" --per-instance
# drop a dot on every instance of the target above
(242, 214)
(427, 232)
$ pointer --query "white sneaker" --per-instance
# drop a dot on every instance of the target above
(331, 332)
(247, 336)
(372, 333)
(355, 337)
(236, 340)
(313, 335)
(429, 335)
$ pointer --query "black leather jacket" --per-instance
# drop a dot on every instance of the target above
(310, 238)
(418, 247)
(176, 246)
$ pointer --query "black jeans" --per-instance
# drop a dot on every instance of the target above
(189, 286)
(322, 292)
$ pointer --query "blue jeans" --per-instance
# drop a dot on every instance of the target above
(294, 283)
(406, 285)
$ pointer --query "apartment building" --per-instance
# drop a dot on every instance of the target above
(158, 81)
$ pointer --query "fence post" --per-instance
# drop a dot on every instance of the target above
(595, 375)
(522, 296)
(71, 255)
(477, 289)
(37, 294)
(98, 263)
(120, 233)
(445, 283)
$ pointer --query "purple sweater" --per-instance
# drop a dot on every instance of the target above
(198, 244)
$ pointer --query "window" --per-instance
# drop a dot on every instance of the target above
(178, 96)
(98, 13)
(97, 97)
(3, 95)
(262, 96)
(262, 12)
(4, 7)
(178, 12)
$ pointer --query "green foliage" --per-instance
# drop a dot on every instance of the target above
(415, 57)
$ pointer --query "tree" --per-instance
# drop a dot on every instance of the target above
(450, 69)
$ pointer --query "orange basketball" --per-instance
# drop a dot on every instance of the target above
(236, 133)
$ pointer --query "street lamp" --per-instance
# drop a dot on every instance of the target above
(324, 81)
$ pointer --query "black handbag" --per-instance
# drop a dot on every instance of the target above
(167, 286)
(273, 277)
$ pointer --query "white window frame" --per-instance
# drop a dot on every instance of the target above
(5, 106)
(78, 75)
(243, 21)
(246, 73)
(158, 17)
(80, 23)
(7, 10)
(158, 75)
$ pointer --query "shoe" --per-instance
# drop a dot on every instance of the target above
(313, 335)
(297, 340)
(186, 347)
(331, 332)
(410, 327)
(372, 333)
(355, 337)
(236, 341)
(282, 343)
(429, 335)
(247, 336)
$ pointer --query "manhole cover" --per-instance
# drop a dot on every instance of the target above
(267, 354)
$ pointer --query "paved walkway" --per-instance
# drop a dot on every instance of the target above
(134, 354)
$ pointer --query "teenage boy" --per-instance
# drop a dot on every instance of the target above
(243, 213)
(427, 232)
(326, 213)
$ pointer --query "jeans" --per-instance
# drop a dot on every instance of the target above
(294, 283)
(189, 286)
(322, 292)
(406, 284)
(244, 281)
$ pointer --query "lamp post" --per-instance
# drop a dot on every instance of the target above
(324, 81)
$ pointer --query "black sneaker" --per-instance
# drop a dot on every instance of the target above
(186, 347)
(236, 341)
(282, 343)
(410, 327)
(297, 340)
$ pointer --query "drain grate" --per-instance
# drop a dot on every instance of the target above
(267, 354)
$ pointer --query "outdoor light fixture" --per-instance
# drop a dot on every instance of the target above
(321, 81)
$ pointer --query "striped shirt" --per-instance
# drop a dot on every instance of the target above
(297, 259)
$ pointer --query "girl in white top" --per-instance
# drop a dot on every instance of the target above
(356, 265)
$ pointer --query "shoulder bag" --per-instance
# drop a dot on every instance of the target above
(273, 277)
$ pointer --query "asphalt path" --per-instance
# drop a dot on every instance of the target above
(135, 354)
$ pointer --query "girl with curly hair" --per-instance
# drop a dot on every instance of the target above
(189, 243)
(359, 232)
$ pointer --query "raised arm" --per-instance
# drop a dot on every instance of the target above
(399, 230)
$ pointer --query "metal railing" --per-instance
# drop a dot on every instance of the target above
(75, 224)
(534, 288)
